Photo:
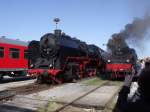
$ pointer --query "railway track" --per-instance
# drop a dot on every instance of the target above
(35, 87)
(31, 88)
(24, 94)
(6, 95)
(80, 97)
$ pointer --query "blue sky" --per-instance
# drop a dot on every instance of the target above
(93, 21)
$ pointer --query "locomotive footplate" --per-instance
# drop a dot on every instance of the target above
(48, 75)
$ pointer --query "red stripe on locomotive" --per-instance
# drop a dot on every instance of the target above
(118, 67)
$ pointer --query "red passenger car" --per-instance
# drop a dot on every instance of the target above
(13, 57)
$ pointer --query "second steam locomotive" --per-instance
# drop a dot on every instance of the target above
(120, 62)
(57, 58)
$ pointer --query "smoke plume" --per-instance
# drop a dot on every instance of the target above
(135, 32)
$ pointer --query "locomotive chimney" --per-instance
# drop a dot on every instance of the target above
(57, 32)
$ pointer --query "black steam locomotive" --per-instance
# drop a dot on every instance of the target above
(57, 58)
(122, 61)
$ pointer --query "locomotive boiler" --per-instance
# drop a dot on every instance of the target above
(57, 58)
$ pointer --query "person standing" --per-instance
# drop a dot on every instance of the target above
(140, 101)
